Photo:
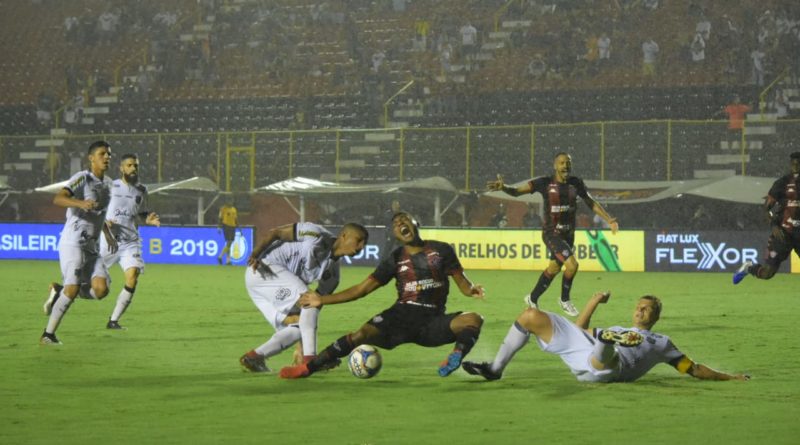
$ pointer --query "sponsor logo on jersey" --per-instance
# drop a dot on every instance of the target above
(422, 285)
(559, 209)
(403, 268)
(283, 293)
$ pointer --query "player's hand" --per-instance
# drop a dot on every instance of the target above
(310, 299)
(113, 246)
(614, 226)
(495, 185)
(602, 296)
(153, 220)
(477, 291)
(253, 262)
(87, 204)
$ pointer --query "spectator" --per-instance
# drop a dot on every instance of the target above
(758, 57)
(531, 218)
(649, 57)
(500, 219)
(698, 48)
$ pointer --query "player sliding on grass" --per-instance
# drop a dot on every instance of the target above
(421, 269)
(615, 354)
(280, 269)
(560, 192)
(783, 207)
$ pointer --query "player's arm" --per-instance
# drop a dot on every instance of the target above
(601, 211)
(585, 317)
(499, 185)
(362, 289)
(65, 198)
(110, 240)
(685, 365)
(282, 233)
(467, 287)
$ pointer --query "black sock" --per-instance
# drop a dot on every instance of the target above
(541, 286)
(566, 287)
(339, 348)
(466, 339)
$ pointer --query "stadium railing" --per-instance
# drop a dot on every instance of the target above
(652, 150)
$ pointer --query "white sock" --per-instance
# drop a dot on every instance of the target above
(59, 309)
(123, 301)
(308, 330)
(279, 341)
(516, 338)
(604, 352)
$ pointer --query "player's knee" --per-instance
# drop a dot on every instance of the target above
(766, 272)
(527, 318)
(471, 320)
(100, 291)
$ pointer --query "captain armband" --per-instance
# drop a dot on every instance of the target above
(683, 364)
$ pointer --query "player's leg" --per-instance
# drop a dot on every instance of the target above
(331, 356)
(131, 262)
(570, 270)
(559, 252)
(124, 298)
(531, 321)
(466, 327)
(71, 259)
(269, 294)
(778, 250)
(604, 354)
(308, 331)
(547, 276)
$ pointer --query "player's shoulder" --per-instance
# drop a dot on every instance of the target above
(439, 246)
(141, 188)
(576, 181)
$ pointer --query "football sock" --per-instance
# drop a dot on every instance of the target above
(603, 352)
(308, 330)
(340, 348)
(123, 301)
(544, 282)
(279, 341)
(466, 339)
(566, 287)
(516, 338)
(59, 309)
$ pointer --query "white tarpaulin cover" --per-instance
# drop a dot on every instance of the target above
(742, 189)
(306, 186)
(196, 184)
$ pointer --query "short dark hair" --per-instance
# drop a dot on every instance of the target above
(795, 155)
(410, 216)
(128, 156)
(97, 144)
(560, 153)
(656, 304)
(358, 228)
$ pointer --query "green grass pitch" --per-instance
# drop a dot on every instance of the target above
(173, 376)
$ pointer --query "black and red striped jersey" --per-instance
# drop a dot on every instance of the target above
(560, 202)
(422, 279)
(785, 191)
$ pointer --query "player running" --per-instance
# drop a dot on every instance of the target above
(615, 354)
(86, 197)
(560, 192)
(281, 267)
(783, 209)
(421, 269)
(127, 207)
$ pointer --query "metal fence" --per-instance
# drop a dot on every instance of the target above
(467, 156)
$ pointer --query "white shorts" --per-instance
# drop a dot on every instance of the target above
(575, 348)
(275, 295)
(80, 265)
(128, 255)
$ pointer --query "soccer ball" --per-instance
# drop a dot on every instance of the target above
(365, 361)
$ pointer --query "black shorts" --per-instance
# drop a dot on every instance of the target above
(229, 232)
(779, 250)
(561, 246)
(405, 323)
